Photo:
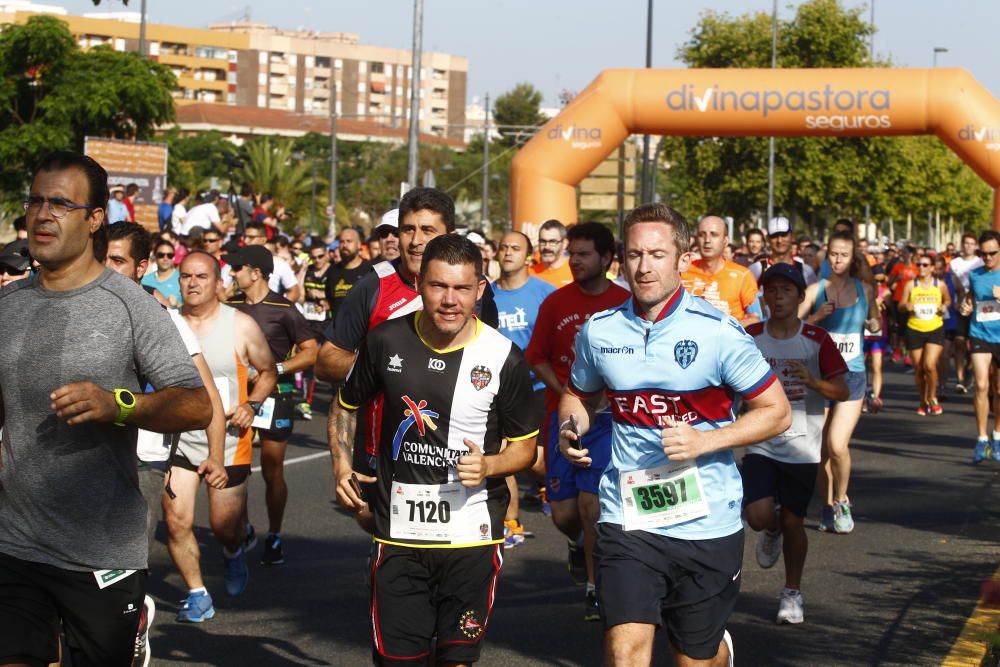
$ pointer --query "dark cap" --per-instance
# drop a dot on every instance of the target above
(256, 256)
(15, 255)
(786, 271)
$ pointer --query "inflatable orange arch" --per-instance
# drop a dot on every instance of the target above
(750, 102)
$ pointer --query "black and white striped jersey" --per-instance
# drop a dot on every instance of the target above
(434, 400)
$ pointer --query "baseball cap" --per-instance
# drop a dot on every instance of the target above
(256, 256)
(786, 271)
(15, 256)
(390, 219)
(779, 225)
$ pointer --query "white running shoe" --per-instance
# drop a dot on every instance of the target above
(726, 637)
(768, 548)
(791, 608)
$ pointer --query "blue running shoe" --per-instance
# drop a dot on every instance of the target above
(197, 608)
(982, 449)
(237, 575)
(826, 520)
(843, 522)
(995, 451)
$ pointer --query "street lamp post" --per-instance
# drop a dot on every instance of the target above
(646, 189)
(333, 167)
(937, 50)
(142, 29)
(484, 210)
(770, 143)
(418, 23)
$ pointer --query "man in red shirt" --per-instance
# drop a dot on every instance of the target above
(902, 273)
(571, 490)
(726, 285)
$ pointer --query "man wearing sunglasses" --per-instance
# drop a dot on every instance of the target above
(982, 303)
(165, 279)
(73, 550)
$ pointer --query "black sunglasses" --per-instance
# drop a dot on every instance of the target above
(206, 239)
(983, 253)
(10, 271)
(162, 255)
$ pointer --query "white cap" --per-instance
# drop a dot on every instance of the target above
(779, 225)
(390, 219)
(476, 238)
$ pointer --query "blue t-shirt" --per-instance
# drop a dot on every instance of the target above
(117, 211)
(688, 366)
(985, 324)
(518, 310)
(163, 215)
(171, 287)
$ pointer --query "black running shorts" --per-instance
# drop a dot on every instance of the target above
(237, 474)
(690, 586)
(100, 623)
(420, 593)
(282, 421)
(980, 346)
(791, 483)
(916, 340)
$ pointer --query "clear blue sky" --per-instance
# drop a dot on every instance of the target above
(557, 44)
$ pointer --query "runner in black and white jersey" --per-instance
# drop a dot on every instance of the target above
(453, 389)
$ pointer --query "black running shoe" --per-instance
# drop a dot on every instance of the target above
(273, 554)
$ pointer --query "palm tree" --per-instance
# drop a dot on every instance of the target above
(269, 166)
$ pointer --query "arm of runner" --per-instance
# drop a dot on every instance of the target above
(874, 322)
(768, 415)
(575, 416)
(945, 297)
(904, 301)
(805, 308)
(332, 363)
(362, 384)
(258, 355)
(304, 357)
(213, 468)
(832, 389)
(475, 467)
(748, 299)
(167, 410)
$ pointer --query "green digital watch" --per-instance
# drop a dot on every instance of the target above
(126, 404)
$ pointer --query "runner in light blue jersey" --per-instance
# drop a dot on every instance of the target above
(670, 539)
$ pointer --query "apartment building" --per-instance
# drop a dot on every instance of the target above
(251, 64)
(307, 72)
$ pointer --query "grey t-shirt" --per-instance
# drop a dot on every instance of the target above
(69, 495)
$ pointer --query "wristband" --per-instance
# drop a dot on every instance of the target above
(126, 405)
(281, 368)
(255, 406)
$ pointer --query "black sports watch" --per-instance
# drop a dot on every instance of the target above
(255, 406)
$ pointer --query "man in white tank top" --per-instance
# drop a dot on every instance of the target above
(233, 345)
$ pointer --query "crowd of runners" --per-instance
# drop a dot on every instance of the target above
(655, 393)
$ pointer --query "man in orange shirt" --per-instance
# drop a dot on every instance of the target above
(553, 264)
(726, 285)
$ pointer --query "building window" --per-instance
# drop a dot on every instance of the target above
(261, 101)
(362, 67)
(361, 87)
(378, 68)
(338, 64)
(262, 57)
(231, 98)
(310, 61)
(322, 61)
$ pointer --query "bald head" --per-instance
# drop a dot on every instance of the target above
(712, 236)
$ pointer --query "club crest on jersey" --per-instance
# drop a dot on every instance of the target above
(484, 530)
(480, 377)
(417, 415)
(470, 625)
(685, 352)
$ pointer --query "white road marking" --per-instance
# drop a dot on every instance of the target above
(300, 459)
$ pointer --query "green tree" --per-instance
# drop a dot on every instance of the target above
(52, 95)
(520, 106)
(817, 178)
(269, 166)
